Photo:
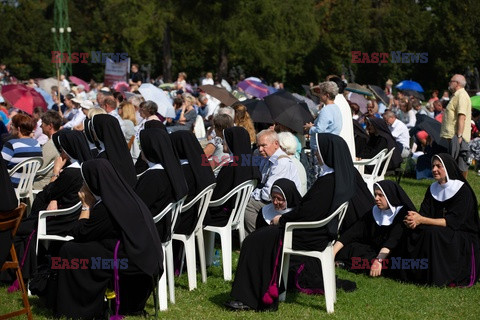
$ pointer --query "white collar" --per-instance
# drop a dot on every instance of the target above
(443, 192)
(153, 166)
(102, 146)
(385, 217)
(269, 212)
(74, 164)
(324, 170)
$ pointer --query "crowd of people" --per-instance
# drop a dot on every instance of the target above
(125, 162)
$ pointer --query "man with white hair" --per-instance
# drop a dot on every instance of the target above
(399, 131)
(456, 122)
(277, 165)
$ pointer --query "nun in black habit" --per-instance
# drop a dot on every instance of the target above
(163, 182)
(8, 203)
(257, 266)
(285, 197)
(60, 193)
(197, 175)
(92, 144)
(114, 224)
(238, 170)
(446, 230)
(141, 165)
(113, 146)
(380, 138)
(378, 234)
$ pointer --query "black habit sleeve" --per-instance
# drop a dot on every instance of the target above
(99, 226)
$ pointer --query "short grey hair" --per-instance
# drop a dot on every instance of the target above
(330, 88)
(149, 106)
(228, 111)
(288, 142)
(270, 134)
(135, 100)
(389, 114)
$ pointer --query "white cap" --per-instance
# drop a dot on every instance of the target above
(86, 104)
(77, 100)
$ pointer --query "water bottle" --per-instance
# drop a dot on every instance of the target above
(216, 259)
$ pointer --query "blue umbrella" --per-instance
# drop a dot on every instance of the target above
(409, 85)
(47, 97)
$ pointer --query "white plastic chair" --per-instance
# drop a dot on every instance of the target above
(326, 256)
(219, 166)
(29, 169)
(376, 161)
(168, 274)
(385, 162)
(42, 173)
(42, 223)
(203, 198)
(235, 222)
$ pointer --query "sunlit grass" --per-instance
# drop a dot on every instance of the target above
(374, 298)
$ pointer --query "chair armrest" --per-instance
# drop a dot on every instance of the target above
(162, 214)
(44, 214)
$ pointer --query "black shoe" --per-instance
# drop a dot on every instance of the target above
(346, 285)
(236, 306)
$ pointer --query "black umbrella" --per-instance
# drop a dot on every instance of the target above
(258, 110)
(309, 94)
(288, 111)
(379, 94)
(431, 126)
(414, 93)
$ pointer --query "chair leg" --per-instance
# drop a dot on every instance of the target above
(226, 239)
(328, 270)
(284, 274)
(209, 238)
(189, 249)
(241, 234)
(201, 254)
(162, 286)
(23, 288)
(170, 272)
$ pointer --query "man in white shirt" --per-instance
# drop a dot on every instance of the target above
(277, 165)
(399, 131)
(110, 105)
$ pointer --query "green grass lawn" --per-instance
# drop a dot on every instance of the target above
(377, 298)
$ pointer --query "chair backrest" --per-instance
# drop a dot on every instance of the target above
(42, 215)
(203, 199)
(175, 208)
(385, 163)
(342, 210)
(220, 165)
(44, 171)
(10, 221)
(378, 163)
(242, 193)
(28, 170)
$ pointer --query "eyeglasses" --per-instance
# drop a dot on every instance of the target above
(278, 199)
(452, 81)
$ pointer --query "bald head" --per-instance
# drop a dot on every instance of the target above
(457, 82)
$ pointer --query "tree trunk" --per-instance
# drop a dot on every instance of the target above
(167, 56)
